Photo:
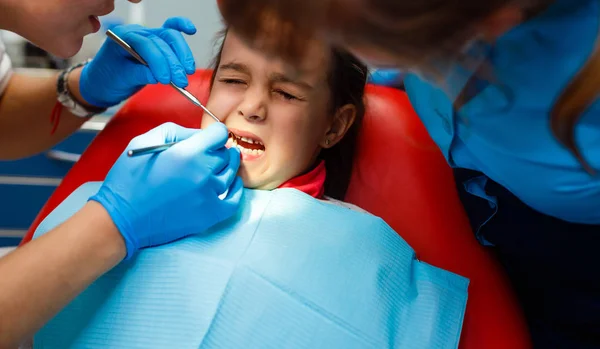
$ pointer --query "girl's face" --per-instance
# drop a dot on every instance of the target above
(280, 114)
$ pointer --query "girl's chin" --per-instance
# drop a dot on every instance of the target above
(254, 182)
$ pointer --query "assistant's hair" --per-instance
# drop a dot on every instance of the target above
(347, 78)
(417, 33)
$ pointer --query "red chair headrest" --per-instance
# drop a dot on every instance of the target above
(400, 175)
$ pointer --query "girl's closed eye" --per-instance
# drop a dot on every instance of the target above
(286, 95)
(232, 81)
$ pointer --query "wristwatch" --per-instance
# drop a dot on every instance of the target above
(66, 98)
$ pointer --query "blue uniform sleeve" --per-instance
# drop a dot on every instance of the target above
(387, 77)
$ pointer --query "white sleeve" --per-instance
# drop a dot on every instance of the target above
(5, 68)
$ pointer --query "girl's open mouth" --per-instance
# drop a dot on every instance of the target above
(250, 145)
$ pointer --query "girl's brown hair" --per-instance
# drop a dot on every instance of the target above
(347, 78)
(416, 33)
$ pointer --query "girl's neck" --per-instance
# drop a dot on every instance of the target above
(311, 182)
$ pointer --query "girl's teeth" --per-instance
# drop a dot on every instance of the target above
(244, 150)
(249, 140)
(249, 151)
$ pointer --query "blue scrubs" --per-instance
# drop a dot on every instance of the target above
(526, 194)
(387, 77)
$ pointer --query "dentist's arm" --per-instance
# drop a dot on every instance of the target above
(25, 109)
(111, 77)
(145, 201)
(41, 277)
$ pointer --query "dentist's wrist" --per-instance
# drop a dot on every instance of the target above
(69, 93)
(104, 233)
(73, 84)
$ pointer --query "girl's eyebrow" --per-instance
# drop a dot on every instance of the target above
(239, 67)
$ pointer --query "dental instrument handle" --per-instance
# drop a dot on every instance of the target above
(183, 91)
(150, 150)
(125, 46)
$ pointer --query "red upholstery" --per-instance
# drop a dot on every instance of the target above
(400, 176)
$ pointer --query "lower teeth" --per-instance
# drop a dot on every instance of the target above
(248, 151)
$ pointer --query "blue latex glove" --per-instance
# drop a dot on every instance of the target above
(158, 198)
(114, 75)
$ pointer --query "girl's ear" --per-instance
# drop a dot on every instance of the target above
(341, 123)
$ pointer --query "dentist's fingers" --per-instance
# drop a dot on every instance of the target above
(180, 47)
(213, 137)
(231, 202)
(152, 54)
(227, 175)
(165, 133)
(181, 24)
(177, 72)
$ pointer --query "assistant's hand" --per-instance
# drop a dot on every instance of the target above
(114, 75)
(159, 198)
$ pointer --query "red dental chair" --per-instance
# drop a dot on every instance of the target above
(400, 175)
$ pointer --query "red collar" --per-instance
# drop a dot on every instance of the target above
(311, 183)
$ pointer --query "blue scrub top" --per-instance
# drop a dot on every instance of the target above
(504, 130)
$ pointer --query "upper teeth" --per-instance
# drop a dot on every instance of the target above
(251, 141)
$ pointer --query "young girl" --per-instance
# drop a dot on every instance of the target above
(293, 268)
(288, 120)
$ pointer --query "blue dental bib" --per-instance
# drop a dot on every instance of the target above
(288, 271)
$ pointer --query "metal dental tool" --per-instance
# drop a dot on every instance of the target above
(185, 93)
